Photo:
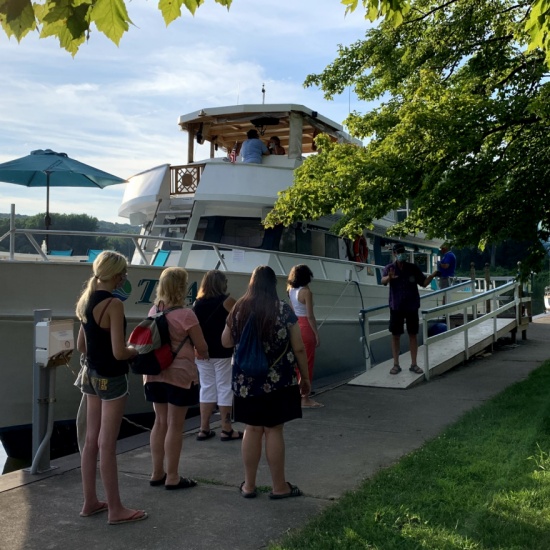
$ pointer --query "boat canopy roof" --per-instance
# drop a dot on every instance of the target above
(226, 126)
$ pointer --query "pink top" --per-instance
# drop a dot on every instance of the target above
(183, 371)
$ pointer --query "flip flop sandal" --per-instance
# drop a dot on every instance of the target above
(416, 369)
(396, 369)
(158, 482)
(203, 436)
(294, 492)
(253, 494)
(138, 515)
(103, 507)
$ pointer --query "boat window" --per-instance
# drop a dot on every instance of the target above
(332, 247)
(243, 232)
(318, 243)
(288, 240)
(303, 242)
(247, 232)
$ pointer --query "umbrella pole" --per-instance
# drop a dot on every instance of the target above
(47, 219)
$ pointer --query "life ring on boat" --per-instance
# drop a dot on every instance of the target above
(360, 250)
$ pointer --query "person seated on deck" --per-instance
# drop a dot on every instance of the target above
(253, 148)
(275, 147)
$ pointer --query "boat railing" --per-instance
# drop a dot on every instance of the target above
(328, 268)
(503, 298)
(184, 179)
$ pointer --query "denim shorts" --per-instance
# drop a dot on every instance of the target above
(107, 388)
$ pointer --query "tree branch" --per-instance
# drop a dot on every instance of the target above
(431, 12)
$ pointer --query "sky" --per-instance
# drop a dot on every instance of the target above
(116, 108)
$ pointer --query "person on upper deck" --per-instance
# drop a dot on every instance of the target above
(253, 148)
(275, 147)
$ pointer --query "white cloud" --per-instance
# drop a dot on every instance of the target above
(117, 108)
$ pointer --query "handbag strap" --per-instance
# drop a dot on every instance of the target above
(215, 309)
(181, 344)
(166, 311)
(280, 356)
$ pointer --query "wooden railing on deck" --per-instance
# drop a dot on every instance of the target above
(185, 179)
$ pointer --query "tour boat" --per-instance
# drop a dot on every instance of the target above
(206, 214)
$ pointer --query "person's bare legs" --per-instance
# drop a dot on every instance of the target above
(173, 442)
(275, 455)
(111, 417)
(89, 456)
(225, 412)
(156, 440)
(251, 450)
(207, 410)
(413, 344)
(395, 338)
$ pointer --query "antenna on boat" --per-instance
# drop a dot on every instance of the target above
(263, 94)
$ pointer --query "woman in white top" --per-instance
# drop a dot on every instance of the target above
(301, 300)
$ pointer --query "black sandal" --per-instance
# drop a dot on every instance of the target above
(416, 369)
(396, 369)
(203, 436)
(229, 435)
(294, 492)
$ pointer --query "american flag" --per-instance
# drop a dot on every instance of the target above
(233, 153)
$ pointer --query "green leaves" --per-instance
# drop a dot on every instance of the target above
(393, 10)
(111, 18)
(70, 21)
(538, 27)
(17, 17)
(460, 130)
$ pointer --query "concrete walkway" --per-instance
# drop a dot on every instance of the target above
(330, 451)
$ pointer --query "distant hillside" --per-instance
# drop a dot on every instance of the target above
(117, 227)
(108, 227)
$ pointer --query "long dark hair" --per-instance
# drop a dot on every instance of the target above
(260, 300)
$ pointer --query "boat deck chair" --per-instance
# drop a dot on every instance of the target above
(61, 252)
(93, 254)
(160, 258)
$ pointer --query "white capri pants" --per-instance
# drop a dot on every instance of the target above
(215, 381)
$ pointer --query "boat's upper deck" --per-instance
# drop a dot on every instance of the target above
(295, 125)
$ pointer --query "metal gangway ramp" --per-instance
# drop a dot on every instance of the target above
(482, 319)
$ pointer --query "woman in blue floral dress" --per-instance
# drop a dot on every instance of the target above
(265, 403)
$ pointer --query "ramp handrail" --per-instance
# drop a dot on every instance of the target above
(447, 310)
(367, 313)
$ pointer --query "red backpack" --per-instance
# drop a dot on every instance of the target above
(151, 339)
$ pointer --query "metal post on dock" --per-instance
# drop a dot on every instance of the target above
(40, 399)
(53, 346)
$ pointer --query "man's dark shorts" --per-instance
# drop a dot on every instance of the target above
(161, 392)
(398, 318)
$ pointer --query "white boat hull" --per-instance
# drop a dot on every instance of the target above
(56, 286)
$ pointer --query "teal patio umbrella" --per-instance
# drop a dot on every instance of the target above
(46, 168)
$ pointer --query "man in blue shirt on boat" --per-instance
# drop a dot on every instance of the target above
(404, 278)
(253, 148)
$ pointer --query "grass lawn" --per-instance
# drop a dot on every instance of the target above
(483, 484)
